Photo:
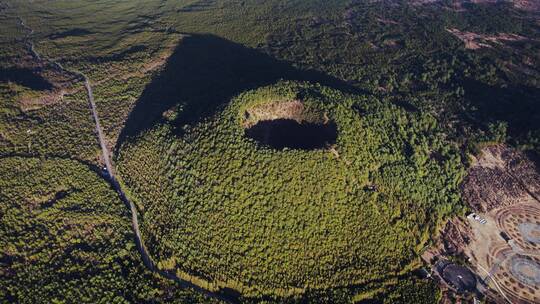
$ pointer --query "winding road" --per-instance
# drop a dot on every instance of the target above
(110, 178)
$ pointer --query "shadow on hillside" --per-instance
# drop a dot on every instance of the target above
(202, 74)
(518, 106)
(26, 77)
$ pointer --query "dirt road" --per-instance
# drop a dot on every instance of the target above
(147, 260)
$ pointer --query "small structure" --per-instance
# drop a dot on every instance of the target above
(505, 236)
(422, 273)
(456, 276)
(105, 172)
(476, 217)
(371, 187)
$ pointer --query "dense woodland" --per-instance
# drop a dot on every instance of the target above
(66, 238)
(171, 79)
(277, 222)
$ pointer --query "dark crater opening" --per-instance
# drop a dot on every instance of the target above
(289, 133)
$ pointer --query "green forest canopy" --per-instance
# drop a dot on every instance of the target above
(65, 237)
(217, 205)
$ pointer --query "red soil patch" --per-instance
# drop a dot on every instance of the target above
(527, 5)
(474, 41)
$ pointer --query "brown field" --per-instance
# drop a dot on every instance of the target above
(474, 41)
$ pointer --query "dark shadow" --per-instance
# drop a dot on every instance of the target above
(25, 77)
(58, 196)
(288, 133)
(198, 6)
(72, 32)
(405, 105)
(204, 73)
(519, 106)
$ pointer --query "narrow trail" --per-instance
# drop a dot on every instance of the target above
(111, 179)
(495, 283)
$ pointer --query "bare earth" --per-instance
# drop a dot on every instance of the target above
(503, 186)
(524, 5)
(474, 41)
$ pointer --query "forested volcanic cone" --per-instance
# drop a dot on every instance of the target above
(292, 186)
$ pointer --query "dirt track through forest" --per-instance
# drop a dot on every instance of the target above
(111, 179)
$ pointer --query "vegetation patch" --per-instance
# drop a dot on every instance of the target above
(66, 237)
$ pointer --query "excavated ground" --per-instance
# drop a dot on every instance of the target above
(503, 187)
